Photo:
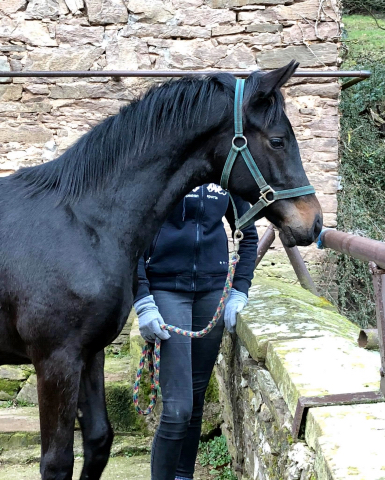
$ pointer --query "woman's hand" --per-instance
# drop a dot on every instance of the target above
(235, 304)
(150, 320)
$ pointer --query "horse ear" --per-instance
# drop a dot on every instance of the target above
(276, 79)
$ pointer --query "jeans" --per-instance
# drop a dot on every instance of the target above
(185, 368)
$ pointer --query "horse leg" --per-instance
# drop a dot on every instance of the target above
(58, 379)
(93, 419)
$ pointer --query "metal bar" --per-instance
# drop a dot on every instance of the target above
(368, 339)
(361, 248)
(352, 82)
(378, 277)
(304, 403)
(300, 269)
(265, 243)
(176, 73)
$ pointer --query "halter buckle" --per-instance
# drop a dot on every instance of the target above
(264, 192)
(242, 147)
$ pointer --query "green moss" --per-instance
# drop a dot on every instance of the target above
(9, 387)
(212, 392)
(121, 410)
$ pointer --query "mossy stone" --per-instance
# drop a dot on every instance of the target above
(8, 388)
(121, 410)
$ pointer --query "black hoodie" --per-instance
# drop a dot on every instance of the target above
(190, 251)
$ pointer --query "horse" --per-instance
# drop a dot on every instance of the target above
(72, 231)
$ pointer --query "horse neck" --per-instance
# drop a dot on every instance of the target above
(139, 201)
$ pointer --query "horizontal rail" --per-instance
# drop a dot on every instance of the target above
(176, 73)
(361, 248)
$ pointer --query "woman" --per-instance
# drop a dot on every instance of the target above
(181, 279)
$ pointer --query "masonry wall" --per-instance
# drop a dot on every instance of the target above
(40, 118)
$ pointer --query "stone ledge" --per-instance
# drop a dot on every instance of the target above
(280, 311)
(309, 350)
(348, 441)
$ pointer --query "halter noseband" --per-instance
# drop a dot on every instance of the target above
(265, 189)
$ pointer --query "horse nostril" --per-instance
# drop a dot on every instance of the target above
(317, 225)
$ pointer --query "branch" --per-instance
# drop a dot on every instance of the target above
(373, 16)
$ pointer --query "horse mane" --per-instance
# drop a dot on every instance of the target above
(104, 151)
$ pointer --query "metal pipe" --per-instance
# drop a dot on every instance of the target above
(265, 243)
(300, 269)
(176, 73)
(368, 338)
(378, 276)
(361, 248)
(352, 82)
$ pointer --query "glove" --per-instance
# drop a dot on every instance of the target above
(150, 319)
(235, 304)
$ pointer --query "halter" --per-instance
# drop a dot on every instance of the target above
(265, 189)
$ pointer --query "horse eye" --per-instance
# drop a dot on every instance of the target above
(276, 142)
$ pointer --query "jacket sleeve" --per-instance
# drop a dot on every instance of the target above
(248, 247)
(143, 283)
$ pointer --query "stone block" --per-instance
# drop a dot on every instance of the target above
(127, 54)
(307, 10)
(79, 35)
(347, 440)
(104, 12)
(243, 3)
(156, 11)
(189, 55)
(12, 6)
(75, 5)
(278, 311)
(264, 28)
(321, 366)
(10, 92)
(63, 58)
(257, 16)
(325, 53)
(33, 32)
(90, 90)
(328, 90)
(238, 57)
(299, 33)
(164, 31)
(271, 39)
(25, 134)
(226, 30)
(206, 17)
(4, 67)
(39, 9)
(28, 393)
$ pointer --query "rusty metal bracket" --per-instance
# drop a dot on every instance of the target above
(304, 403)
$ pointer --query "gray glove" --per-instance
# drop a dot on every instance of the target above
(235, 304)
(150, 319)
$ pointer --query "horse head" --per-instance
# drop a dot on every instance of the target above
(268, 137)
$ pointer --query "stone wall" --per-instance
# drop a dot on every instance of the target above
(291, 344)
(40, 118)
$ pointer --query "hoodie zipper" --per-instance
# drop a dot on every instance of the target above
(197, 240)
(152, 249)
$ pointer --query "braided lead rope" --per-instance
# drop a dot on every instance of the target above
(151, 351)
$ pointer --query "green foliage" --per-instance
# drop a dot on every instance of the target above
(362, 198)
(362, 6)
(215, 454)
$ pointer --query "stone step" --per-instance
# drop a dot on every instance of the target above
(20, 437)
(118, 468)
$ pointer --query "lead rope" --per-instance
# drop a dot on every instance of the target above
(151, 351)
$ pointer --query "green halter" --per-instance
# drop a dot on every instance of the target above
(265, 189)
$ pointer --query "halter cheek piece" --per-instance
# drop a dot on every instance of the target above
(267, 194)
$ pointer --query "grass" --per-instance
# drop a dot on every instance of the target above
(363, 37)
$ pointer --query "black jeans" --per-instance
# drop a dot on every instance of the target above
(185, 370)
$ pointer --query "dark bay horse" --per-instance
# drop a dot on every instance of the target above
(72, 230)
